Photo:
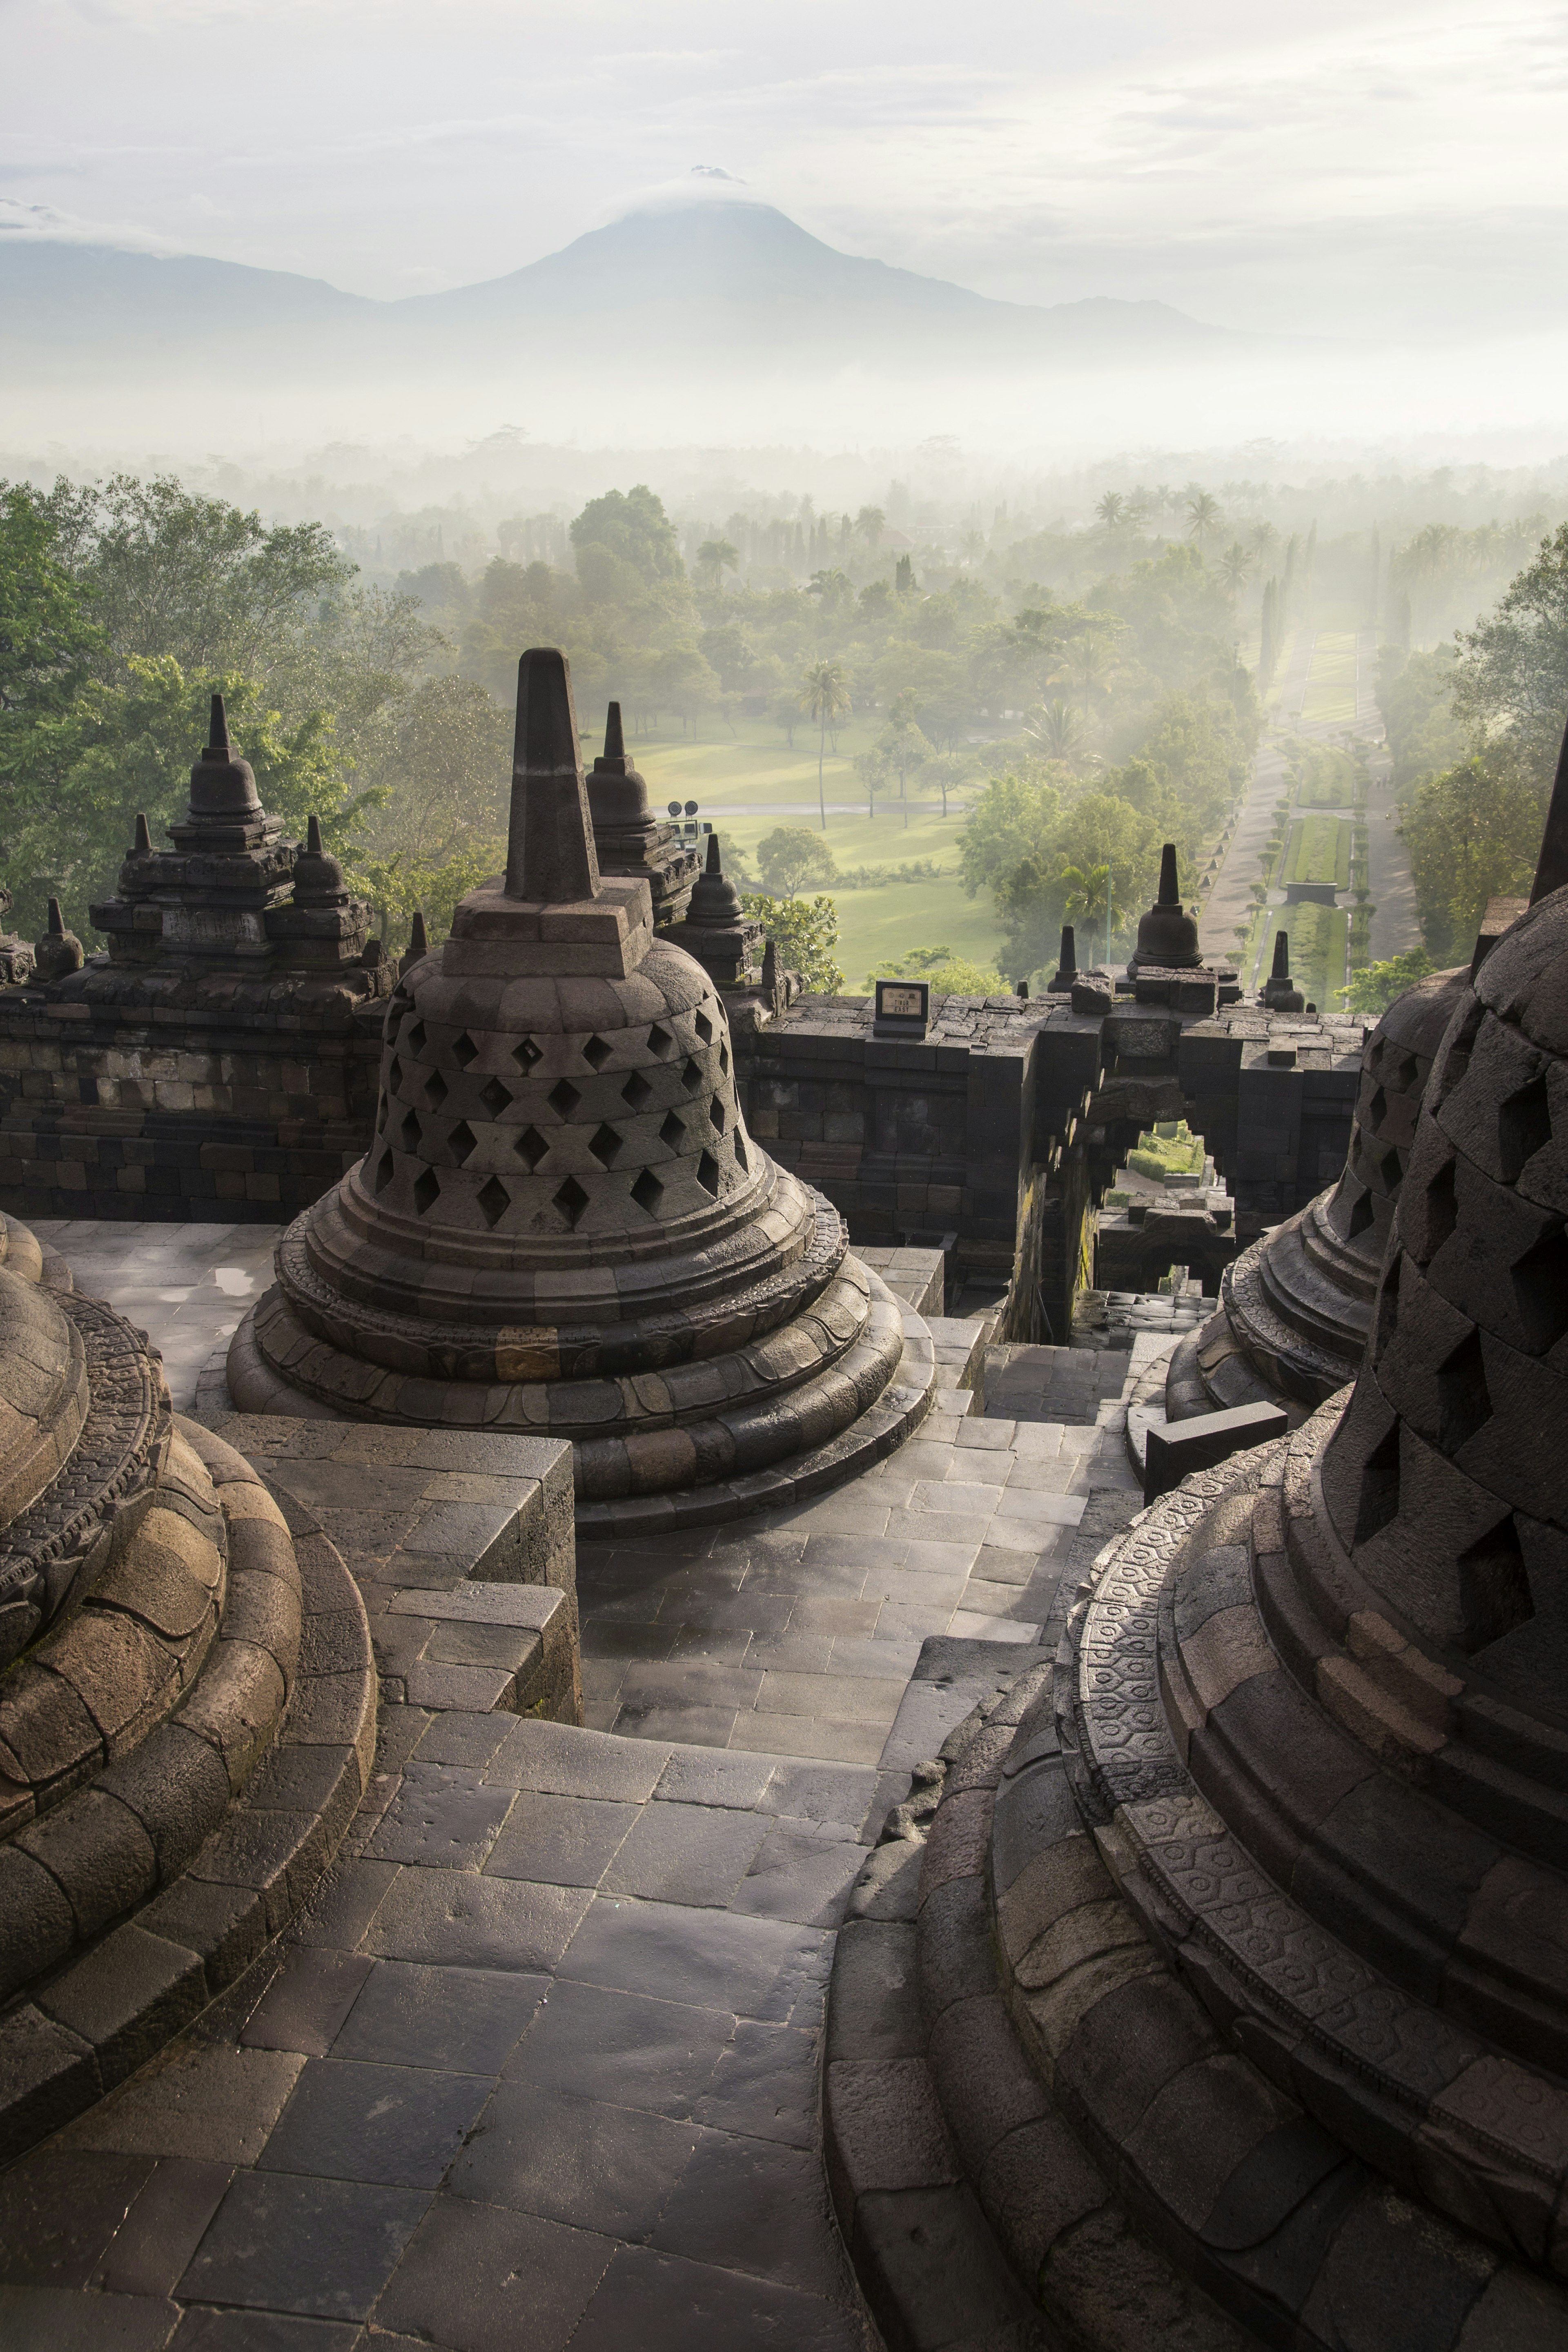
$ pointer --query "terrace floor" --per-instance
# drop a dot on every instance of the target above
(540, 2066)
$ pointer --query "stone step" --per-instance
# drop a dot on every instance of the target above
(1024, 1382)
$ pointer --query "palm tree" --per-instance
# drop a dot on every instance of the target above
(1091, 665)
(870, 522)
(714, 558)
(825, 696)
(974, 546)
(1056, 727)
(1086, 894)
(1234, 565)
(1112, 509)
(1263, 536)
(1203, 513)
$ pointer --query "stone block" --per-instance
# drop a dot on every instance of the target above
(874, 2011)
(127, 1997)
(1204, 1440)
(47, 2073)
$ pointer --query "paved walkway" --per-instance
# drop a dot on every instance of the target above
(1395, 927)
(539, 2068)
(188, 1285)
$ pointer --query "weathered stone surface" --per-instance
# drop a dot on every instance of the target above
(562, 1226)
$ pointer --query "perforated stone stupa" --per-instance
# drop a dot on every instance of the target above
(1295, 1308)
(1277, 1853)
(562, 1225)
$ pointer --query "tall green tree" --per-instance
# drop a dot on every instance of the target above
(633, 525)
(790, 858)
(825, 696)
(49, 638)
(714, 558)
(1474, 834)
(1512, 674)
(805, 932)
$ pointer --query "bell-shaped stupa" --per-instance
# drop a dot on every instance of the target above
(562, 1226)
(1280, 1868)
(726, 941)
(628, 839)
(1280, 991)
(1294, 1309)
(1167, 934)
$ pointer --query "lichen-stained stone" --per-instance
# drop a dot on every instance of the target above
(563, 1227)
(152, 1610)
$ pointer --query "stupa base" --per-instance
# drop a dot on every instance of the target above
(829, 1428)
(1160, 2099)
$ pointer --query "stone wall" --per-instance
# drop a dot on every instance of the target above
(993, 1139)
(179, 1113)
(930, 1142)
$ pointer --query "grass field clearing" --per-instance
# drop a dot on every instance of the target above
(1317, 936)
(1318, 851)
(744, 788)
(1331, 695)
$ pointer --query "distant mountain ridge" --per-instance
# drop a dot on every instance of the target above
(734, 278)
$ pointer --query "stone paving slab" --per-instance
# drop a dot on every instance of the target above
(186, 1285)
(584, 2115)
(796, 1631)
(540, 2064)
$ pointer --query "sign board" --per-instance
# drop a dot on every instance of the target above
(903, 1008)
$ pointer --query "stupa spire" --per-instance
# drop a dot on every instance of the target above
(1169, 887)
(550, 855)
(1281, 955)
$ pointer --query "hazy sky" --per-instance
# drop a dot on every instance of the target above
(1380, 165)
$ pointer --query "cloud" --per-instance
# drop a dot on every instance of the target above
(1365, 167)
(45, 223)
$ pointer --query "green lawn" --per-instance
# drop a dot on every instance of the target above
(1318, 851)
(1325, 792)
(758, 776)
(1316, 950)
(1331, 695)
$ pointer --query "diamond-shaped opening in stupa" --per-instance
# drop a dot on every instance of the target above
(571, 1200)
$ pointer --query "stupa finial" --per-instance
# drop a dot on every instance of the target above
(1170, 888)
(219, 745)
(615, 739)
(1281, 955)
(313, 835)
(143, 833)
(550, 858)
